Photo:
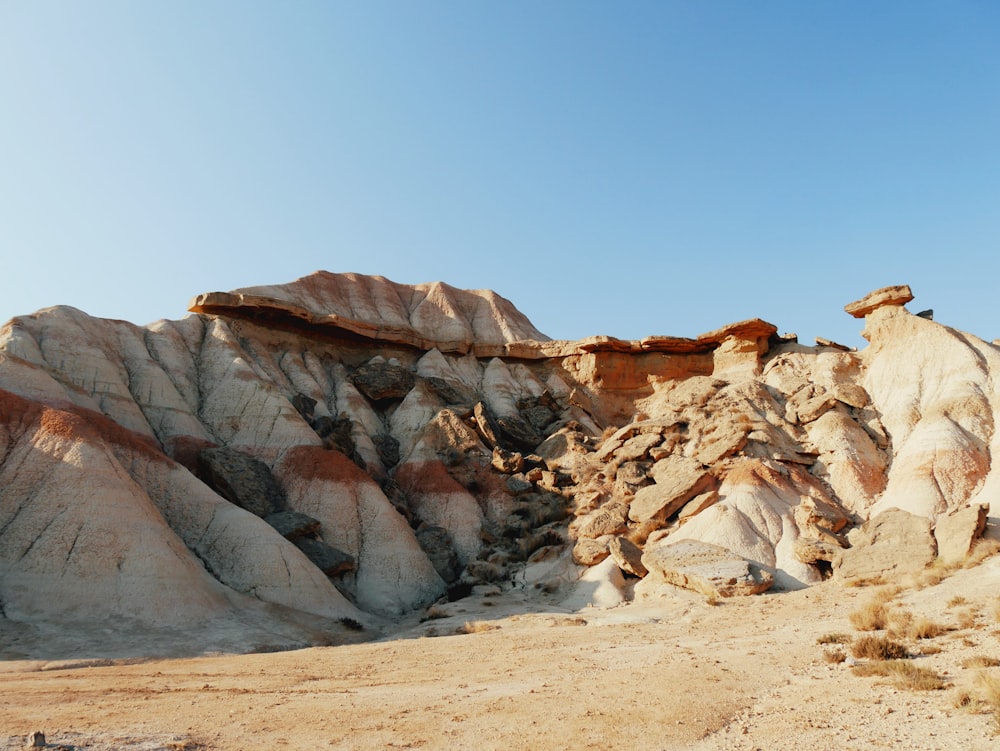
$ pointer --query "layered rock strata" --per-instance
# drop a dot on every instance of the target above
(352, 448)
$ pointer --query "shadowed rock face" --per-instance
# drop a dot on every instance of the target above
(432, 439)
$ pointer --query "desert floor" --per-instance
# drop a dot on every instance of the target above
(672, 672)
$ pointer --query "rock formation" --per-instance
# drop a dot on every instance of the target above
(353, 449)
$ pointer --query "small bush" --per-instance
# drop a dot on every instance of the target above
(476, 627)
(873, 616)
(989, 688)
(982, 550)
(904, 674)
(834, 655)
(980, 661)
(957, 600)
(835, 638)
(967, 619)
(924, 628)
(878, 648)
(352, 624)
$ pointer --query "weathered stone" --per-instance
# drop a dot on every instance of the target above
(518, 484)
(305, 406)
(36, 740)
(539, 417)
(631, 476)
(638, 447)
(508, 462)
(379, 379)
(292, 525)
(513, 432)
(327, 558)
(588, 552)
(698, 504)
(957, 532)
(678, 480)
(241, 479)
(892, 543)
(610, 519)
(814, 551)
(898, 295)
(387, 448)
(450, 392)
(709, 569)
(437, 544)
(628, 556)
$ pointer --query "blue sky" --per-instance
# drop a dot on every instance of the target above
(626, 168)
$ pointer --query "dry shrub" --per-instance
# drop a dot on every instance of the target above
(904, 674)
(967, 618)
(834, 655)
(924, 628)
(835, 638)
(989, 688)
(982, 550)
(436, 611)
(873, 616)
(957, 600)
(930, 649)
(476, 627)
(980, 661)
(878, 648)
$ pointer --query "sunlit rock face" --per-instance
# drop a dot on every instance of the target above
(430, 439)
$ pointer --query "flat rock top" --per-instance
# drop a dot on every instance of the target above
(421, 315)
(898, 295)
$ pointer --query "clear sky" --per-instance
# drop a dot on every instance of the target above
(624, 168)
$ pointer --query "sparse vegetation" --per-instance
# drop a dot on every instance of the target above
(834, 655)
(905, 626)
(967, 618)
(957, 600)
(904, 674)
(983, 549)
(878, 648)
(352, 624)
(980, 661)
(476, 627)
(835, 638)
(874, 616)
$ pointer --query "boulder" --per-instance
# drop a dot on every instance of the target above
(892, 543)
(241, 479)
(609, 519)
(379, 379)
(292, 525)
(957, 532)
(436, 543)
(589, 552)
(678, 480)
(327, 558)
(712, 570)
(628, 556)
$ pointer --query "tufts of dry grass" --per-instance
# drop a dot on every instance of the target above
(980, 661)
(904, 674)
(834, 655)
(955, 601)
(989, 688)
(878, 648)
(967, 618)
(835, 638)
(873, 616)
(476, 627)
(983, 549)
(904, 625)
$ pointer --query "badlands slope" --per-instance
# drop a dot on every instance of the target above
(311, 463)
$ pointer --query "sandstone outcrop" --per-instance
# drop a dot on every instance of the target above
(348, 447)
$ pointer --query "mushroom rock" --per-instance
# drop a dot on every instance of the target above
(894, 296)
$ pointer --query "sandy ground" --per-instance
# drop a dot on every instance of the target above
(674, 672)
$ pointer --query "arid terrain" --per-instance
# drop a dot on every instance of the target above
(350, 513)
(672, 672)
